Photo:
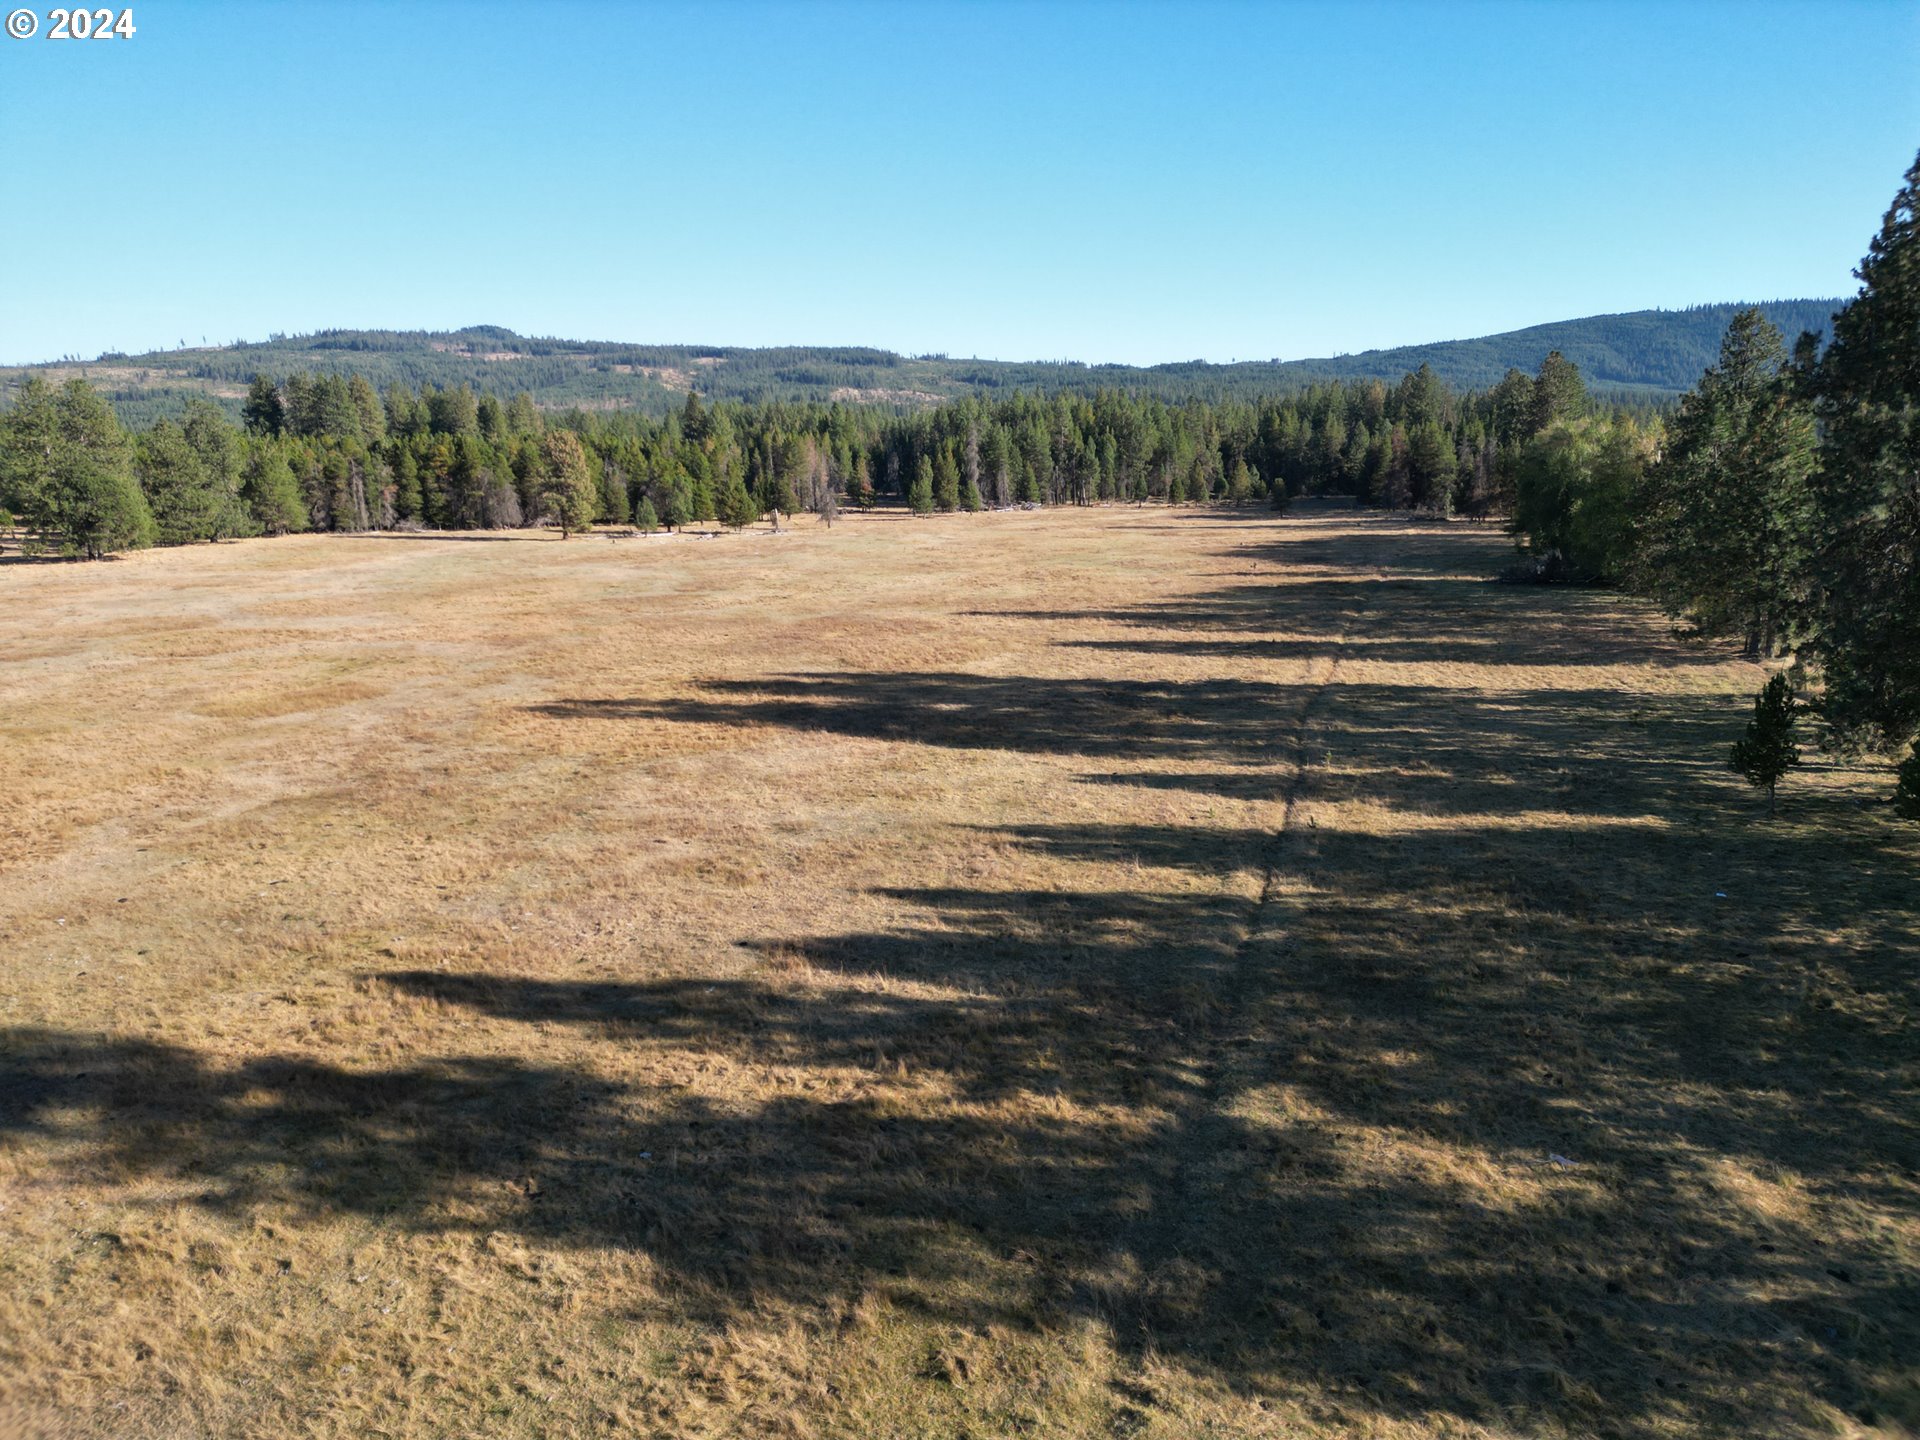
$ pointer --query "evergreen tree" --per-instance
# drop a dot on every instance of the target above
(1768, 750)
(646, 519)
(1558, 393)
(67, 470)
(217, 444)
(271, 494)
(1027, 493)
(970, 500)
(408, 500)
(453, 411)
(696, 426)
(946, 483)
(776, 497)
(522, 418)
(184, 503)
(860, 484)
(1430, 468)
(1867, 569)
(1240, 486)
(369, 414)
(920, 496)
(566, 485)
(613, 495)
(1510, 407)
(262, 411)
(1906, 794)
(678, 511)
(1726, 527)
(738, 509)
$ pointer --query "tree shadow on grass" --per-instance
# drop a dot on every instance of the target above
(1494, 1111)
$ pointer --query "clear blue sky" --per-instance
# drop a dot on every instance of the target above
(1017, 181)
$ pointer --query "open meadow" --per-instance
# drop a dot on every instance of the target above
(1140, 973)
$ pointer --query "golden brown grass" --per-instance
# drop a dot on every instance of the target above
(1119, 973)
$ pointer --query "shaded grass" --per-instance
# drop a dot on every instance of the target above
(1068, 1018)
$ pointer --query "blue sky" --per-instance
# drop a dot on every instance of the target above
(1100, 182)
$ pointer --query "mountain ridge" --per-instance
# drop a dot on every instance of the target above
(1642, 355)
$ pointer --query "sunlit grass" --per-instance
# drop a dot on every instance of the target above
(1116, 973)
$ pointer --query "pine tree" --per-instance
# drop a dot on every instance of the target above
(679, 511)
(1028, 491)
(409, 501)
(1726, 526)
(860, 484)
(1867, 570)
(267, 485)
(217, 444)
(613, 495)
(920, 496)
(1906, 794)
(946, 483)
(646, 519)
(185, 506)
(970, 500)
(1768, 749)
(1240, 486)
(66, 468)
(262, 411)
(738, 509)
(566, 490)
(776, 497)
(1558, 393)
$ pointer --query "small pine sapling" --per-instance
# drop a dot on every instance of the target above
(1906, 794)
(1768, 750)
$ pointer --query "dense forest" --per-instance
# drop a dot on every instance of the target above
(1644, 358)
(327, 452)
(1777, 505)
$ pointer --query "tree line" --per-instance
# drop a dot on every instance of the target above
(329, 452)
(1778, 506)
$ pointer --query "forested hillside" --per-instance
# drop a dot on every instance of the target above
(1646, 356)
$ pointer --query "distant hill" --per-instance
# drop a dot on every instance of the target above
(1648, 355)
(1656, 350)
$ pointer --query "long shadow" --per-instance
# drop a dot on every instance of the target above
(1483, 1115)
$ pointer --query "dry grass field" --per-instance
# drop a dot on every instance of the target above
(1121, 973)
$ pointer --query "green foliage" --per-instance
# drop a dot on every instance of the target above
(1866, 392)
(218, 447)
(66, 468)
(860, 484)
(566, 491)
(678, 512)
(1726, 523)
(970, 500)
(1576, 488)
(1768, 750)
(646, 519)
(612, 493)
(1906, 794)
(186, 506)
(775, 494)
(271, 494)
(920, 496)
(946, 483)
(263, 413)
(1558, 393)
(737, 508)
